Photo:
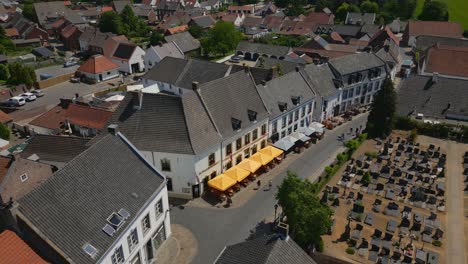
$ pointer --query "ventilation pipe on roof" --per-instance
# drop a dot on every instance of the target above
(113, 129)
(140, 99)
(435, 77)
(195, 86)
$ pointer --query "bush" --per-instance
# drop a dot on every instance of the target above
(413, 135)
(362, 137)
(432, 130)
(4, 132)
(350, 251)
(371, 154)
(437, 243)
(366, 178)
(342, 157)
(320, 246)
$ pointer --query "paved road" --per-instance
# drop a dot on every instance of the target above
(56, 70)
(216, 228)
(455, 220)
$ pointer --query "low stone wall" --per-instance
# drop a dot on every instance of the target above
(54, 81)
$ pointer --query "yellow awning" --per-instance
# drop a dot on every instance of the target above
(250, 165)
(221, 182)
(264, 159)
(271, 151)
(237, 173)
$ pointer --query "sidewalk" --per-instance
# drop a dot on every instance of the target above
(179, 248)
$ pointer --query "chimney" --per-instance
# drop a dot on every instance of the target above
(195, 86)
(435, 77)
(298, 68)
(273, 72)
(140, 99)
(64, 103)
(246, 69)
(263, 82)
(113, 129)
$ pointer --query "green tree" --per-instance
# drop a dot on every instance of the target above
(156, 38)
(20, 74)
(366, 178)
(111, 22)
(308, 219)
(129, 20)
(221, 39)
(196, 31)
(29, 12)
(369, 7)
(4, 132)
(382, 115)
(434, 10)
(343, 10)
(4, 72)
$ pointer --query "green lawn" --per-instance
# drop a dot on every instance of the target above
(457, 11)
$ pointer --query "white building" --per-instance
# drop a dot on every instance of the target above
(108, 205)
(360, 76)
(155, 54)
(129, 57)
(99, 68)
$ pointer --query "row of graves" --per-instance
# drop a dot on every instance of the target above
(465, 181)
(395, 198)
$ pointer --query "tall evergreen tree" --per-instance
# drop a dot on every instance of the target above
(382, 115)
(434, 10)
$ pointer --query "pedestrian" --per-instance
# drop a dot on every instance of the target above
(270, 184)
(258, 184)
(350, 130)
(357, 131)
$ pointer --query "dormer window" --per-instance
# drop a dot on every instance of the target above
(283, 106)
(236, 124)
(115, 220)
(252, 115)
(296, 100)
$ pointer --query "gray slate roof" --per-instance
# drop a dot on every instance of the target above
(232, 97)
(282, 89)
(259, 48)
(120, 5)
(418, 93)
(360, 18)
(49, 9)
(204, 21)
(166, 123)
(184, 40)
(356, 63)
(182, 73)
(72, 206)
(321, 79)
(54, 149)
(266, 250)
(425, 42)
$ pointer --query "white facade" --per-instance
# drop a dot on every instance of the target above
(328, 107)
(136, 62)
(289, 121)
(148, 239)
(360, 93)
(101, 76)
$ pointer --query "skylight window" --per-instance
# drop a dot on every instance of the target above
(115, 220)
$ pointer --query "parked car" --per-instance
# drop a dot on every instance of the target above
(235, 59)
(15, 101)
(38, 93)
(75, 79)
(29, 97)
(70, 63)
(45, 76)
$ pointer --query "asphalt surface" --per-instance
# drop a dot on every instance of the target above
(56, 70)
(215, 228)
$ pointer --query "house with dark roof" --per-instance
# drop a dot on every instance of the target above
(166, 7)
(120, 214)
(185, 41)
(145, 12)
(18, 177)
(271, 249)
(437, 98)
(289, 109)
(119, 5)
(203, 21)
(252, 51)
(70, 36)
(360, 76)
(423, 43)
(155, 54)
(129, 57)
(431, 28)
(98, 68)
(48, 12)
(92, 40)
(359, 18)
(445, 61)
(15, 250)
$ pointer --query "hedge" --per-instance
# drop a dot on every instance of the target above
(433, 130)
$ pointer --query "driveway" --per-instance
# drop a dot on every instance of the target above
(218, 227)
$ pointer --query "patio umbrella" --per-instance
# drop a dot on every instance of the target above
(271, 151)
(237, 173)
(249, 165)
(306, 130)
(221, 182)
(285, 143)
(262, 158)
(317, 127)
(300, 136)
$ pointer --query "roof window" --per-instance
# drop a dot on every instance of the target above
(252, 115)
(236, 124)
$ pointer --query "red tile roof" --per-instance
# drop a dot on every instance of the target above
(447, 60)
(335, 36)
(384, 34)
(58, 23)
(106, 9)
(4, 117)
(15, 250)
(4, 166)
(178, 29)
(319, 18)
(435, 28)
(241, 8)
(68, 31)
(97, 64)
(52, 119)
(323, 53)
(11, 32)
(87, 116)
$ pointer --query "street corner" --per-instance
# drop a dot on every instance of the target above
(180, 248)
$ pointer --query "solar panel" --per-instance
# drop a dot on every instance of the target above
(124, 213)
(108, 229)
(90, 250)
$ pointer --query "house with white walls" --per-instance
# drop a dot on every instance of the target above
(98, 68)
(107, 205)
(155, 54)
(129, 57)
(360, 76)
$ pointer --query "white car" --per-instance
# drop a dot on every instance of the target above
(15, 101)
(28, 96)
(38, 93)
